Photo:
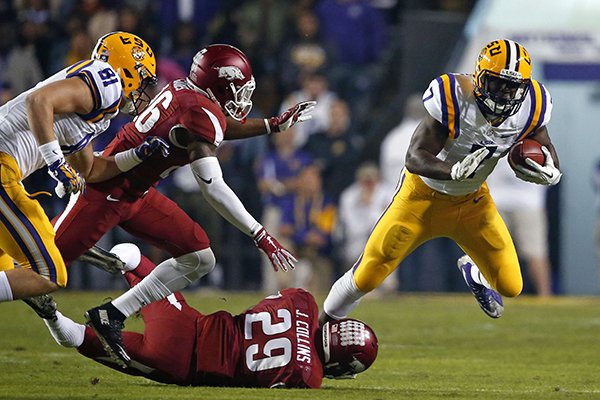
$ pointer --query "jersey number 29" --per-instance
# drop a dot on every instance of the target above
(276, 351)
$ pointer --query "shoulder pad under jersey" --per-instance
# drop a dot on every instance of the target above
(104, 83)
(441, 102)
(537, 110)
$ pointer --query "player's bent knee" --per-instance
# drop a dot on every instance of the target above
(129, 253)
(196, 264)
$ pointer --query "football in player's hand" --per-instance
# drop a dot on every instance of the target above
(526, 148)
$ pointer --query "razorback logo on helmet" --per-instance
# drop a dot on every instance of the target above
(230, 72)
(138, 53)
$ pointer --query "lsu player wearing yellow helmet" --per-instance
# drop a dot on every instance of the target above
(133, 61)
(472, 122)
(53, 124)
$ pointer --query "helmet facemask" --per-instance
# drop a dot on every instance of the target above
(240, 106)
(139, 97)
(500, 95)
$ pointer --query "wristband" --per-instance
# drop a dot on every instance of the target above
(51, 152)
(267, 126)
(127, 160)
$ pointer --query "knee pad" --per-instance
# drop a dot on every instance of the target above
(395, 240)
(129, 253)
(196, 264)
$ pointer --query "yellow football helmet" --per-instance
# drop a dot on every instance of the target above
(502, 77)
(134, 61)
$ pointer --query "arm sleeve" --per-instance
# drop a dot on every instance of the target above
(219, 195)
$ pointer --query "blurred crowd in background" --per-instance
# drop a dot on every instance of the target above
(319, 187)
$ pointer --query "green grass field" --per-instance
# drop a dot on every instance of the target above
(431, 347)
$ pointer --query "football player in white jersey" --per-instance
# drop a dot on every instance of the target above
(473, 121)
(50, 123)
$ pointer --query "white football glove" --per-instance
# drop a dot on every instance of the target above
(547, 174)
(463, 169)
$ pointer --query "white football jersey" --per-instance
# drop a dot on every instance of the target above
(73, 131)
(451, 101)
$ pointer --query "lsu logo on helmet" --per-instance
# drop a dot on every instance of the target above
(138, 53)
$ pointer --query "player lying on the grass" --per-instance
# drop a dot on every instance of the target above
(276, 343)
(473, 121)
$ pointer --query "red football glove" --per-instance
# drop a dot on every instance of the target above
(298, 113)
(280, 258)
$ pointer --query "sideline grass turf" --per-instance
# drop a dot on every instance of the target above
(431, 347)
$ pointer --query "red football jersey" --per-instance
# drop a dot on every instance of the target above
(176, 106)
(270, 344)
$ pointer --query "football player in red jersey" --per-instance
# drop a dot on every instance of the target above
(276, 343)
(190, 115)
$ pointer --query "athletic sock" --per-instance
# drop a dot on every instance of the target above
(343, 297)
(65, 331)
(160, 283)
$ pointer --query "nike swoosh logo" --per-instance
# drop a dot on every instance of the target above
(207, 181)
(110, 198)
(476, 199)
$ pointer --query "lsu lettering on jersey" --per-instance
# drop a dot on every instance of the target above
(451, 101)
(176, 106)
(73, 131)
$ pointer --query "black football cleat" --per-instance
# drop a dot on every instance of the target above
(107, 322)
(43, 305)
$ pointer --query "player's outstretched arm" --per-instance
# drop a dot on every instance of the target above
(258, 126)
(207, 171)
(97, 168)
